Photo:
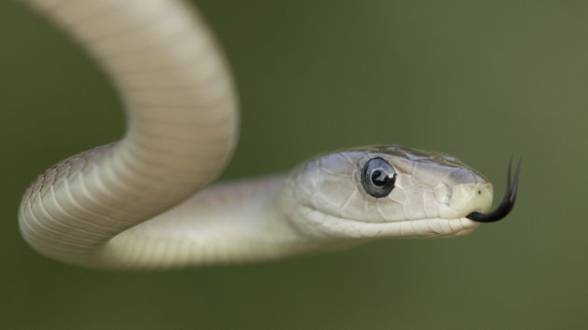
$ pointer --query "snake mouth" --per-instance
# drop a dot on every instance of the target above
(508, 201)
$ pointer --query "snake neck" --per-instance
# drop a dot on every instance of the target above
(230, 222)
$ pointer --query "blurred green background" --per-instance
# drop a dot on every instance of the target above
(478, 79)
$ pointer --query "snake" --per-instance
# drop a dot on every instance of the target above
(149, 200)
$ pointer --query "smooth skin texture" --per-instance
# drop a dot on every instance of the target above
(142, 202)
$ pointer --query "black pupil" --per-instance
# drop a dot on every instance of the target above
(379, 178)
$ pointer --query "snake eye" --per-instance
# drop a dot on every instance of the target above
(378, 177)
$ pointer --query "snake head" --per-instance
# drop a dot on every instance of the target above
(386, 191)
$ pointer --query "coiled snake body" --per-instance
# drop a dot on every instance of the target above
(141, 202)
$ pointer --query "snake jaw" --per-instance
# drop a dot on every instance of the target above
(507, 203)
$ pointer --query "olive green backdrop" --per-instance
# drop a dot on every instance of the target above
(478, 79)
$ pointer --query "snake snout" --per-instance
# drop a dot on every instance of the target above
(507, 203)
(467, 198)
(481, 196)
